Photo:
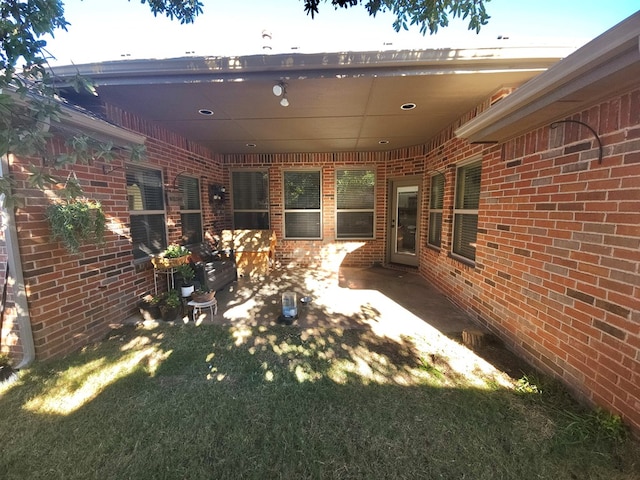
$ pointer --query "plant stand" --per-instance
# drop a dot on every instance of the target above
(212, 305)
(169, 273)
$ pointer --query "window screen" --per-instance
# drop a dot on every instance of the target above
(465, 213)
(146, 211)
(435, 210)
(302, 213)
(355, 203)
(190, 211)
(250, 199)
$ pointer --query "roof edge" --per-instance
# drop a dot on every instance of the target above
(104, 130)
(612, 52)
(324, 64)
(75, 118)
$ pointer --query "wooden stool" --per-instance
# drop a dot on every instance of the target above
(212, 305)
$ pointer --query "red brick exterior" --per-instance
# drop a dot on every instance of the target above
(557, 271)
(74, 298)
(9, 334)
(314, 253)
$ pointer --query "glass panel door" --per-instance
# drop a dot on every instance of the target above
(404, 223)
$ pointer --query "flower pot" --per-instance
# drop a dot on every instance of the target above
(169, 314)
(203, 297)
(186, 290)
(163, 263)
(149, 311)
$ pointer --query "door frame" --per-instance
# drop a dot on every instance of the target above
(394, 183)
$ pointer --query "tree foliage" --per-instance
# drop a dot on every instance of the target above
(427, 14)
(183, 10)
(28, 93)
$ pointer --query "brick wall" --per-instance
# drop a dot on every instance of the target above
(557, 271)
(73, 298)
(328, 251)
(9, 335)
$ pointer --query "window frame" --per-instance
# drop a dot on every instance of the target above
(190, 211)
(286, 210)
(372, 210)
(265, 210)
(436, 210)
(147, 213)
(458, 211)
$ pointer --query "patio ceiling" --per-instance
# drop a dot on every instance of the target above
(338, 102)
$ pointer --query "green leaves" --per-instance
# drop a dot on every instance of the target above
(76, 222)
(426, 14)
(28, 102)
(184, 10)
(21, 25)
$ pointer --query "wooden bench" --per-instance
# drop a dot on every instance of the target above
(254, 250)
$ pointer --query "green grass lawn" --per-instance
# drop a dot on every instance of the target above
(215, 402)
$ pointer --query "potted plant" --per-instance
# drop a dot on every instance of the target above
(149, 306)
(203, 296)
(173, 256)
(170, 305)
(75, 222)
(6, 371)
(186, 273)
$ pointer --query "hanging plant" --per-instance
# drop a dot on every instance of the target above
(76, 222)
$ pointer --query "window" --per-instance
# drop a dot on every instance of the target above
(355, 203)
(250, 200)
(465, 212)
(435, 210)
(302, 214)
(146, 211)
(190, 211)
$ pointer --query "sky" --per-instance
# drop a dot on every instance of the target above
(103, 30)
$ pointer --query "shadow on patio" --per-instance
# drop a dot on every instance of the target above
(393, 311)
(385, 304)
(372, 298)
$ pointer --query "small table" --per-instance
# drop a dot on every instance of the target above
(212, 305)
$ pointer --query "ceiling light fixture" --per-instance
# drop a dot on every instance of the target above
(206, 112)
(280, 90)
(408, 106)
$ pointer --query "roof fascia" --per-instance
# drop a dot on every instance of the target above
(104, 130)
(325, 65)
(75, 119)
(537, 101)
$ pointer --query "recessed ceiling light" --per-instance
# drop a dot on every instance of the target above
(383, 142)
(408, 106)
(250, 145)
(205, 111)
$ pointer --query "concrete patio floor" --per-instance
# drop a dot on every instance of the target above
(385, 303)
(349, 298)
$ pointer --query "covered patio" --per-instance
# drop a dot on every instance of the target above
(389, 306)
(513, 175)
(349, 297)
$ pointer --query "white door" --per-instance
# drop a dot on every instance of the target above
(404, 227)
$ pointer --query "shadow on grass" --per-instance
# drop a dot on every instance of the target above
(281, 402)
